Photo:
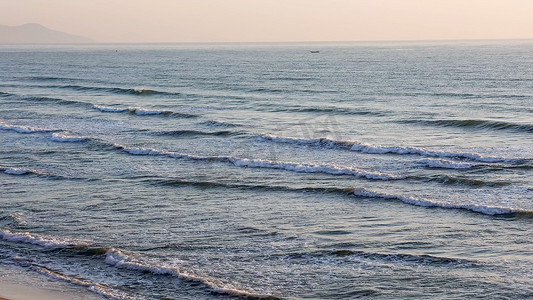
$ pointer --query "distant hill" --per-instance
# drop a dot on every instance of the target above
(32, 33)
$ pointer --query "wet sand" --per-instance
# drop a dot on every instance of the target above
(12, 291)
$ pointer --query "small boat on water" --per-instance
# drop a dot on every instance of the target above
(315, 51)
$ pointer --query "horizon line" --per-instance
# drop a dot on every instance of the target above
(284, 42)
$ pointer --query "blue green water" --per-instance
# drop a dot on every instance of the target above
(377, 170)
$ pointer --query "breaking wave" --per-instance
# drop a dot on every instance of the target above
(29, 172)
(372, 149)
(321, 142)
(20, 171)
(62, 137)
(488, 210)
(24, 129)
(17, 219)
(484, 209)
(119, 259)
(43, 241)
(58, 135)
(446, 164)
(378, 149)
(259, 163)
(141, 111)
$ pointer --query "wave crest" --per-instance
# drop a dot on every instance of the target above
(140, 111)
(378, 149)
(24, 129)
(43, 241)
(258, 163)
(21, 171)
(484, 209)
(119, 259)
(446, 164)
(62, 137)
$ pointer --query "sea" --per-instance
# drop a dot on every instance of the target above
(378, 170)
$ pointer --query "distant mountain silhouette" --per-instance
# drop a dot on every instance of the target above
(33, 33)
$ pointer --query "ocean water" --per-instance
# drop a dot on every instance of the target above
(368, 170)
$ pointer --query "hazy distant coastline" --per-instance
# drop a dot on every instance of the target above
(33, 33)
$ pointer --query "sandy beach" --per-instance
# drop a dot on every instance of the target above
(17, 284)
(12, 291)
(21, 292)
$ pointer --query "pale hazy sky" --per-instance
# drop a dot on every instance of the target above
(276, 20)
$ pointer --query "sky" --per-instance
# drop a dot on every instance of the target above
(128, 21)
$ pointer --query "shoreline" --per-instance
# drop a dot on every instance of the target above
(54, 291)
(18, 283)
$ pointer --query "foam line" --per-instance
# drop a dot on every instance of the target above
(141, 111)
(484, 209)
(91, 286)
(446, 164)
(258, 163)
(378, 149)
(119, 259)
(62, 137)
(23, 129)
(27, 238)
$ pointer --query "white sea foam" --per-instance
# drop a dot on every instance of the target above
(23, 129)
(18, 218)
(21, 171)
(378, 149)
(57, 136)
(312, 168)
(484, 209)
(110, 109)
(143, 111)
(91, 286)
(140, 111)
(17, 171)
(27, 238)
(323, 142)
(54, 242)
(139, 90)
(446, 164)
(373, 149)
(258, 163)
(62, 137)
(119, 259)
